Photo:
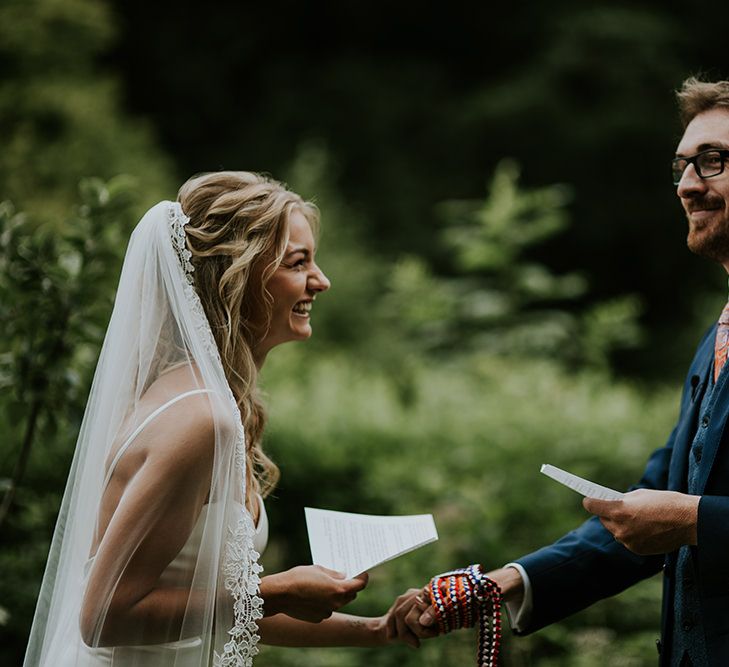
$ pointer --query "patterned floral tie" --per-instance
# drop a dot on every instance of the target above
(721, 344)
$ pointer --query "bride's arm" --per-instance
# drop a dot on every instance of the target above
(337, 630)
(124, 602)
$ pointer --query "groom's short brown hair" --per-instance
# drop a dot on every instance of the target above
(696, 96)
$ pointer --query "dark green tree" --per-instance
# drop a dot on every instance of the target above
(498, 298)
(56, 292)
(61, 114)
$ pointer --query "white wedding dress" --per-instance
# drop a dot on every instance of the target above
(72, 652)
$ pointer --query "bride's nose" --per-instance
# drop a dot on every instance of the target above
(318, 282)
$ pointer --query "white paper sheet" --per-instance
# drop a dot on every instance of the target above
(355, 543)
(583, 486)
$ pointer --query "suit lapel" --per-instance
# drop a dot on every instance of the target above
(699, 384)
(716, 431)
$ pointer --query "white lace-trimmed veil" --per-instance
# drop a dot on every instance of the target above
(158, 347)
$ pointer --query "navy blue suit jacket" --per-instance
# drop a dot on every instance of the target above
(587, 564)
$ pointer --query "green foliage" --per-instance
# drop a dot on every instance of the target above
(492, 235)
(366, 406)
(496, 297)
(423, 390)
(356, 271)
(468, 449)
(56, 292)
(389, 403)
(56, 295)
(576, 92)
(491, 297)
(60, 114)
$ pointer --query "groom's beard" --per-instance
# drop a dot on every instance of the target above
(708, 235)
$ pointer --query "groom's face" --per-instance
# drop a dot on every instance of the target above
(706, 200)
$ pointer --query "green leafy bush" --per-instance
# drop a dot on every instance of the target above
(56, 293)
(395, 406)
(468, 449)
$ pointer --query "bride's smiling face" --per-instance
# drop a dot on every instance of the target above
(293, 287)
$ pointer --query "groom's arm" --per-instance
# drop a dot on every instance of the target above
(589, 564)
(584, 566)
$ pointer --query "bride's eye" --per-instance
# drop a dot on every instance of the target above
(295, 264)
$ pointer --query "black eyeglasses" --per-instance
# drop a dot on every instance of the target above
(706, 163)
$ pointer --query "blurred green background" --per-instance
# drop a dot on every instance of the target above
(510, 279)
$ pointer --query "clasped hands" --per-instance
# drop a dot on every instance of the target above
(411, 618)
(645, 521)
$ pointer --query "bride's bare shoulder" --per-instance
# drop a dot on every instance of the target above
(193, 414)
(173, 435)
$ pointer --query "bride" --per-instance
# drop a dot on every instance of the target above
(154, 556)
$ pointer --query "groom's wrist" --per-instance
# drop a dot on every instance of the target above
(510, 582)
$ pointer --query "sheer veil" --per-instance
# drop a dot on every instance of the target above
(152, 561)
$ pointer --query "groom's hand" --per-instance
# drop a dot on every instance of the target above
(647, 521)
(403, 622)
(507, 579)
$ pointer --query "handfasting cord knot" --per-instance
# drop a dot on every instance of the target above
(462, 597)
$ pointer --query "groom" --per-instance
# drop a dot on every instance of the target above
(677, 518)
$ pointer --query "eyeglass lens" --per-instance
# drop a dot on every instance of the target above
(706, 163)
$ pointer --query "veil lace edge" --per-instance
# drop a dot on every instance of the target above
(241, 570)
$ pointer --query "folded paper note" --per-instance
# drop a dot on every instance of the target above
(355, 543)
(583, 486)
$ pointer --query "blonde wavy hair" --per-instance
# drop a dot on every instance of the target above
(238, 232)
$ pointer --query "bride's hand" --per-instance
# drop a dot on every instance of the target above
(309, 592)
(402, 620)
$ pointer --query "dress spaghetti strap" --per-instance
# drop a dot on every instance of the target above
(141, 427)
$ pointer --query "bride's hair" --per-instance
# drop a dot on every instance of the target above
(238, 231)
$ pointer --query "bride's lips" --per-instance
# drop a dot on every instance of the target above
(303, 308)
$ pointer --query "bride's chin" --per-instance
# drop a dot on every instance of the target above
(300, 330)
